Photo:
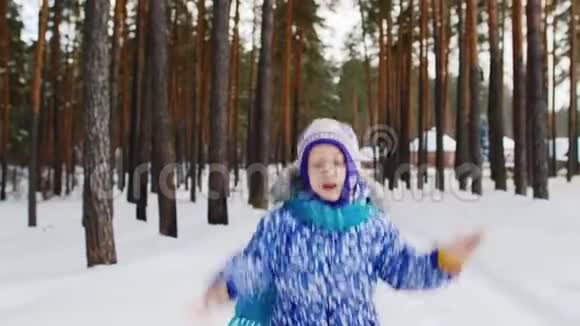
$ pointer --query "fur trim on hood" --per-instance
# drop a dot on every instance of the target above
(288, 183)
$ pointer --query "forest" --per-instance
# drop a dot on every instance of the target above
(149, 98)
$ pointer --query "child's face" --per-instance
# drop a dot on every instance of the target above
(326, 171)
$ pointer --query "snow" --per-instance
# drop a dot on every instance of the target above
(367, 155)
(508, 143)
(509, 146)
(562, 146)
(525, 273)
(449, 143)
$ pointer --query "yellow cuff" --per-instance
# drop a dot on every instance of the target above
(448, 263)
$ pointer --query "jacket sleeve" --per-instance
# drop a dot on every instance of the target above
(249, 272)
(398, 264)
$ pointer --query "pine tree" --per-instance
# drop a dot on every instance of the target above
(134, 194)
(4, 94)
(35, 104)
(163, 147)
(519, 105)
(97, 191)
(439, 89)
(116, 86)
(461, 127)
(423, 94)
(258, 168)
(572, 165)
(217, 200)
(474, 80)
(495, 104)
(536, 101)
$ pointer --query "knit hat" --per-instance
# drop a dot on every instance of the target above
(332, 132)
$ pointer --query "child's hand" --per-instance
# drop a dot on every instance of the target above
(202, 311)
(216, 294)
(452, 256)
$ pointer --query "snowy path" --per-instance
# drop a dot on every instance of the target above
(526, 273)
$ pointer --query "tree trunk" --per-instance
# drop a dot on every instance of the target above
(501, 95)
(519, 105)
(181, 125)
(204, 111)
(410, 107)
(388, 84)
(536, 100)
(57, 97)
(42, 123)
(462, 152)
(202, 72)
(74, 104)
(439, 98)
(381, 87)
(97, 194)
(67, 118)
(236, 126)
(258, 170)
(116, 114)
(572, 165)
(75, 132)
(176, 105)
(164, 150)
(367, 69)
(544, 19)
(277, 126)
(35, 104)
(474, 79)
(195, 126)
(445, 13)
(186, 30)
(285, 82)
(495, 105)
(4, 94)
(125, 103)
(145, 143)
(553, 170)
(394, 59)
(375, 115)
(233, 97)
(423, 93)
(529, 135)
(278, 148)
(299, 48)
(250, 135)
(45, 133)
(405, 108)
(135, 129)
(155, 169)
(217, 201)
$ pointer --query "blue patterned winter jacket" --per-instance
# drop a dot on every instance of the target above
(319, 265)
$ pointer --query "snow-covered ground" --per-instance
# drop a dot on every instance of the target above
(527, 271)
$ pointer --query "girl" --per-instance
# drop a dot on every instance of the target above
(316, 258)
